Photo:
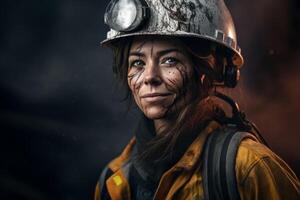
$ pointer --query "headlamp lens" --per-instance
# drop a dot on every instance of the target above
(124, 14)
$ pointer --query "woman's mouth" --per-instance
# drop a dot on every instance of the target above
(153, 97)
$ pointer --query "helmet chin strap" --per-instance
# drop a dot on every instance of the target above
(238, 117)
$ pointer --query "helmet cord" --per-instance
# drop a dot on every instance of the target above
(238, 117)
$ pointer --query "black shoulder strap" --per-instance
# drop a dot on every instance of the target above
(219, 178)
(102, 185)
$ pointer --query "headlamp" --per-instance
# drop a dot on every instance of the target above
(126, 15)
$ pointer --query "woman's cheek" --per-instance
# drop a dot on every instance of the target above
(173, 78)
(135, 80)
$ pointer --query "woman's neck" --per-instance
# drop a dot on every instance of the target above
(161, 124)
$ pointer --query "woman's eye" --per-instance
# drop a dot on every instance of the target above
(137, 63)
(170, 61)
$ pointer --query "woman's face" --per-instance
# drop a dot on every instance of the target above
(159, 73)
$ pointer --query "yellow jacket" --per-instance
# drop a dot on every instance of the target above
(260, 174)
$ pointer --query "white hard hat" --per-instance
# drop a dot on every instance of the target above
(207, 20)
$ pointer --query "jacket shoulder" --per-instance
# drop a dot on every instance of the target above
(261, 174)
(250, 153)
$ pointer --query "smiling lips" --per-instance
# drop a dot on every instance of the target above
(152, 97)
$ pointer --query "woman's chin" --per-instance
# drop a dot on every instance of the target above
(155, 113)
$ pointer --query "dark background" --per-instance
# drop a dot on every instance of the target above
(61, 118)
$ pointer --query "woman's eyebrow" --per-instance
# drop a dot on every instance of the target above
(159, 53)
(166, 51)
(136, 53)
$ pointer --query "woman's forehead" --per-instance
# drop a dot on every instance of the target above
(155, 43)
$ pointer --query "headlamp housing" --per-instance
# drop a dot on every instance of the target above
(126, 15)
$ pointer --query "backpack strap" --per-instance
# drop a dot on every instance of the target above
(102, 185)
(219, 177)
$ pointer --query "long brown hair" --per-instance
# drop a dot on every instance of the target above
(189, 120)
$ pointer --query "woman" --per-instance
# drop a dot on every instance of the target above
(171, 55)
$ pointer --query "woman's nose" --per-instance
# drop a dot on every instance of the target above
(152, 75)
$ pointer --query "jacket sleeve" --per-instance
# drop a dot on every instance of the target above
(263, 175)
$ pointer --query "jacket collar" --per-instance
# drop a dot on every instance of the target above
(193, 153)
(187, 161)
(118, 184)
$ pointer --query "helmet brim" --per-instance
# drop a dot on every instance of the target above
(235, 52)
